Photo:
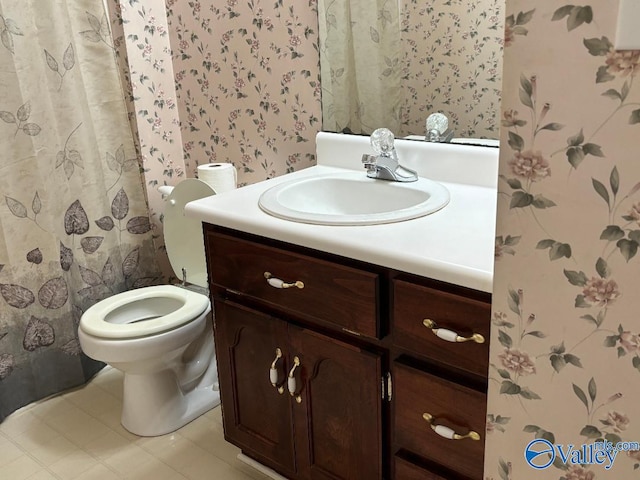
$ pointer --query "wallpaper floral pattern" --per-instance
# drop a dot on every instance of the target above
(141, 42)
(565, 354)
(247, 84)
(229, 81)
(452, 63)
(74, 224)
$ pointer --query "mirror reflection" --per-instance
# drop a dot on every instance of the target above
(392, 63)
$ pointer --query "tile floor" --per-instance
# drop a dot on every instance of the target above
(77, 435)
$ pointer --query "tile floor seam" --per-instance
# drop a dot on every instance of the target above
(129, 444)
(96, 459)
(31, 456)
(159, 460)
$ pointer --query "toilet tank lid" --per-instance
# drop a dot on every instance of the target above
(183, 235)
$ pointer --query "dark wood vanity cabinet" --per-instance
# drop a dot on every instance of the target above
(363, 389)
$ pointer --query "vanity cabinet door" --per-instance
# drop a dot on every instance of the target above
(327, 423)
(338, 419)
(256, 416)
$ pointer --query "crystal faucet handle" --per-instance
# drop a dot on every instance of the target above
(438, 122)
(382, 141)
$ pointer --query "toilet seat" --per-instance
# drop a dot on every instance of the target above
(143, 312)
(148, 311)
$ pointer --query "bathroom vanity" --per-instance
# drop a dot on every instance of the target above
(356, 352)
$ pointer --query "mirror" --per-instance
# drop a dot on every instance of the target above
(391, 63)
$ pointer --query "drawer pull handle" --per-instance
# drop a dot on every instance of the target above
(277, 283)
(447, 432)
(450, 335)
(291, 380)
(274, 374)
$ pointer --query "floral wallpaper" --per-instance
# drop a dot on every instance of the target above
(141, 42)
(247, 84)
(212, 81)
(452, 63)
(74, 224)
(565, 351)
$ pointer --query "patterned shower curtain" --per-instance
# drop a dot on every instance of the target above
(74, 223)
(361, 65)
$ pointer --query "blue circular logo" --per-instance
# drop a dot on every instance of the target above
(536, 453)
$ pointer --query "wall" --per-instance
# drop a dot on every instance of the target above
(247, 82)
(565, 352)
(452, 63)
(219, 82)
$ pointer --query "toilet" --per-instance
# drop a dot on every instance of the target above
(160, 337)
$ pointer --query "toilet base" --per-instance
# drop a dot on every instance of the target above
(154, 404)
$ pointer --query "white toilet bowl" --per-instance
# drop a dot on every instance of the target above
(160, 336)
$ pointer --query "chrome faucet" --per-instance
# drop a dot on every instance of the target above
(385, 165)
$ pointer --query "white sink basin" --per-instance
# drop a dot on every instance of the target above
(351, 198)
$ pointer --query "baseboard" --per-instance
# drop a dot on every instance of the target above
(260, 467)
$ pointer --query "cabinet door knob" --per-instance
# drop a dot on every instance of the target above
(291, 380)
(447, 432)
(450, 335)
(274, 374)
(277, 283)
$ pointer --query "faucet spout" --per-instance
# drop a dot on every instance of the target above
(386, 168)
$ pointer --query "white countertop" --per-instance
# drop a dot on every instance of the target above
(455, 244)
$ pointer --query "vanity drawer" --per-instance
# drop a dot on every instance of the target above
(339, 295)
(405, 470)
(450, 405)
(413, 304)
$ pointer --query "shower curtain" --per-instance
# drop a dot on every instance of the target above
(74, 222)
(361, 64)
